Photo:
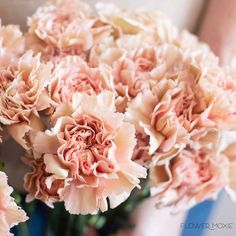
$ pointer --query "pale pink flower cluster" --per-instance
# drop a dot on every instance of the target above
(96, 99)
(10, 213)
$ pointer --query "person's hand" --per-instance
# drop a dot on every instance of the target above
(149, 220)
(218, 28)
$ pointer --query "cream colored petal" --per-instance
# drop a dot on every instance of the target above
(54, 167)
(43, 143)
(19, 133)
(80, 200)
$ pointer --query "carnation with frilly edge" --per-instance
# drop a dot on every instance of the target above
(192, 177)
(22, 89)
(72, 74)
(23, 94)
(36, 182)
(182, 108)
(65, 28)
(90, 149)
(10, 213)
(139, 70)
(153, 25)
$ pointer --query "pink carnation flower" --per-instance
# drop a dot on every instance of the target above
(72, 75)
(12, 44)
(67, 27)
(23, 94)
(137, 70)
(10, 213)
(140, 69)
(176, 112)
(40, 184)
(90, 148)
(139, 22)
(22, 88)
(192, 177)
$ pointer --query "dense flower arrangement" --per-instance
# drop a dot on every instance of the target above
(98, 100)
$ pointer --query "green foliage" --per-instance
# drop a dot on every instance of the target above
(1, 166)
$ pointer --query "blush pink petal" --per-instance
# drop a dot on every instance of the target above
(10, 213)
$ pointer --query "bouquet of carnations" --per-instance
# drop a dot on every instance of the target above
(110, 101)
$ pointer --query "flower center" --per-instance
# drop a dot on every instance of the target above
(87, 144)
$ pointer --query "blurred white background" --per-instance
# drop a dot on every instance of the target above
(183, 13)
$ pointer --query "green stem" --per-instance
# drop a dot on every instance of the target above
(23, 229)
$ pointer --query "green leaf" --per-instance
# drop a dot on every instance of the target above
(17, 197)
(1, 166)
(23, 229)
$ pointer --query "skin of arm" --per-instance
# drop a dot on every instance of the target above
(218, 28)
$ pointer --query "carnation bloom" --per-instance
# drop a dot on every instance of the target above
(72, 74)
(10, 213)
(217, 86)
(148, 23)
(110, 49)
(68, 27)
(192, 177)
(40, 184)
(22, 88)
(23, 94)
(177, 111)
(12, 44)
(90, 148)
(140, 69)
